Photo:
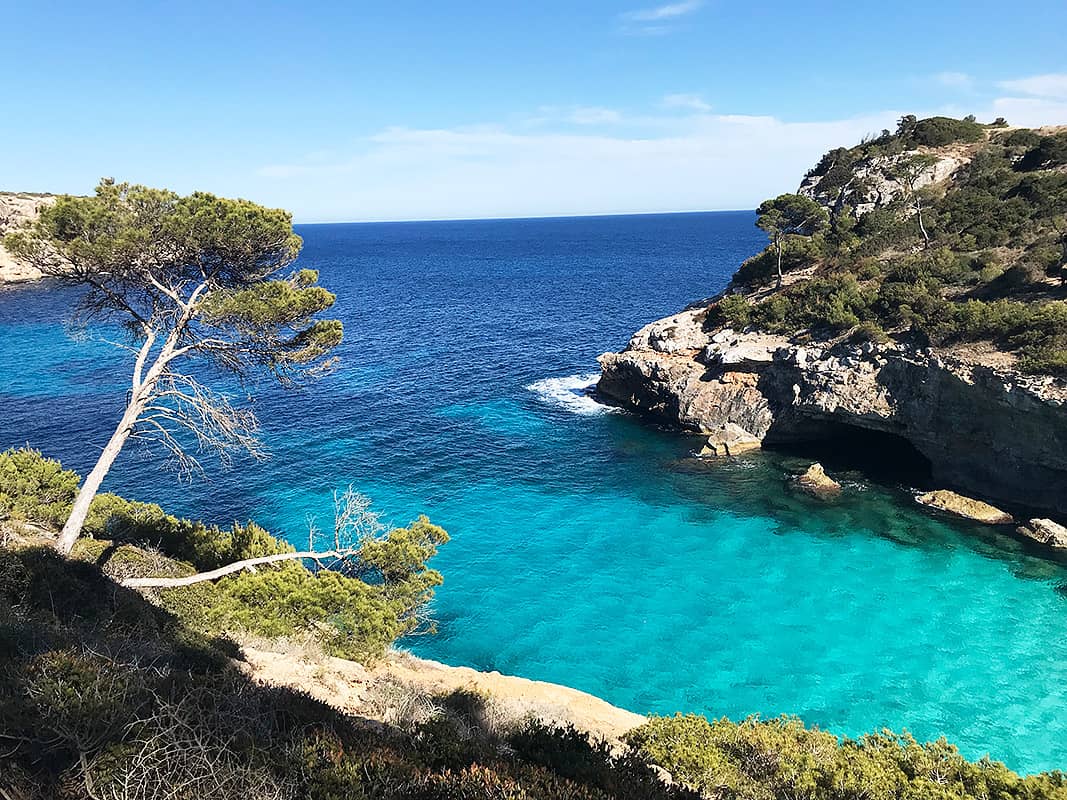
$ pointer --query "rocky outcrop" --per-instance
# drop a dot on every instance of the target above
(15, 210)
(817, 483)
(964, 507)
(729, 440)
(985, 430)
(875, 183)
(1046, 532)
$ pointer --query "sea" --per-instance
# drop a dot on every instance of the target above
(588, 546)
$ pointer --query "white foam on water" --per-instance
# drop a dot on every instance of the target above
(573, 393)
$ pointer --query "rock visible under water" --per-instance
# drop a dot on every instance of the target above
(817, 483)
(729, 440)
(965, 507)
(1046, 532)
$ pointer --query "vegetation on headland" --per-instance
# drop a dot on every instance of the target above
(978, 255)
(110, 693)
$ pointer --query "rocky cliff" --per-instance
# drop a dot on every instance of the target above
(951, 340)
(986, 430)
(15, 210)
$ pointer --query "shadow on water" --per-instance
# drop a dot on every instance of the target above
(880, 475)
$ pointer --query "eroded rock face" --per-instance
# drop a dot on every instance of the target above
(986, 430)
(15, 210)
(875, 184)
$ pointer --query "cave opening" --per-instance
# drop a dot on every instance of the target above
(882, 457)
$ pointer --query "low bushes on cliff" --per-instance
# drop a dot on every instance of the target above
(104, 696)
(354, 610)
(981, 256)
(757, 759)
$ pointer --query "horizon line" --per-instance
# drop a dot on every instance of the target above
(519, 217)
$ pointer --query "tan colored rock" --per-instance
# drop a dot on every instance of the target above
(1046, 532)
(729, 440)
(817, 483)
(15, 210)
(387, 691)
(965, 507)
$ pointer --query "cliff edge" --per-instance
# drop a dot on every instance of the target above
(927, 305)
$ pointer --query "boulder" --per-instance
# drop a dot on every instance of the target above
(965, 507)
(817, 483)
(1046, 532)
(729, 440)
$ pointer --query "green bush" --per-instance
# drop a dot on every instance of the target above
(734, 310)
(759, 760)
(937, 131)
(35, 489)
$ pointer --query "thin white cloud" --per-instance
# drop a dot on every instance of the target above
(693, 162)
(954, 80)
(595, 115)
(664, 12)
(1052, 85)
(556, 161)
(691, 102)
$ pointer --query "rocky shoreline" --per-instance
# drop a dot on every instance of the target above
(985, 429)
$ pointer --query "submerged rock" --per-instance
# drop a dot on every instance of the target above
(729, 440)
(817, 483)
(1046, 532)
(965, 507)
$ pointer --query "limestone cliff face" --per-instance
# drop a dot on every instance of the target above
(15, 210)
(986, 430)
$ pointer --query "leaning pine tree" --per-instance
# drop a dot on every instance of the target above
(198, 283)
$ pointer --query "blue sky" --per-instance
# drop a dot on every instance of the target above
(405, 110)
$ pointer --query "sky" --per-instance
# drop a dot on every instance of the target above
(350, 111)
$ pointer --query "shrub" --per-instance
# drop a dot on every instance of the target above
(734, 310)
(937, 131)
(35, 489)
(1048, 152)
(782, 758)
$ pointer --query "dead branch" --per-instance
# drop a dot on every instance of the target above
(236, 566)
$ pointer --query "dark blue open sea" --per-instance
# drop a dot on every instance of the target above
(587, 547)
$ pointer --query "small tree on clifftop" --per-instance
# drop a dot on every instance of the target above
(790, 215)
(190, 279)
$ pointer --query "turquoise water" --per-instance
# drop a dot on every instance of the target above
(588, 547)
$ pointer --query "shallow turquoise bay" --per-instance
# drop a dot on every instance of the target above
(588, 547)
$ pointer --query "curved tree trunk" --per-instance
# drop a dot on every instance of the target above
(236, 566)
(73, 526)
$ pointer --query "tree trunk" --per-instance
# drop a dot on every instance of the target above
(778, 247)
(919, 215)
(72, 528)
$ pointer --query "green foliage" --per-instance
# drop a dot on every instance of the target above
(938, 131)
(791, 215)
(734, 310)
(757, 760)
(356, 615)
(991, 265)
(35, 489)
(351, 617)
(104, 695)
(833, 303)
(1046, 153)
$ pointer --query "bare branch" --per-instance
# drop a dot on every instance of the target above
(236, 566)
